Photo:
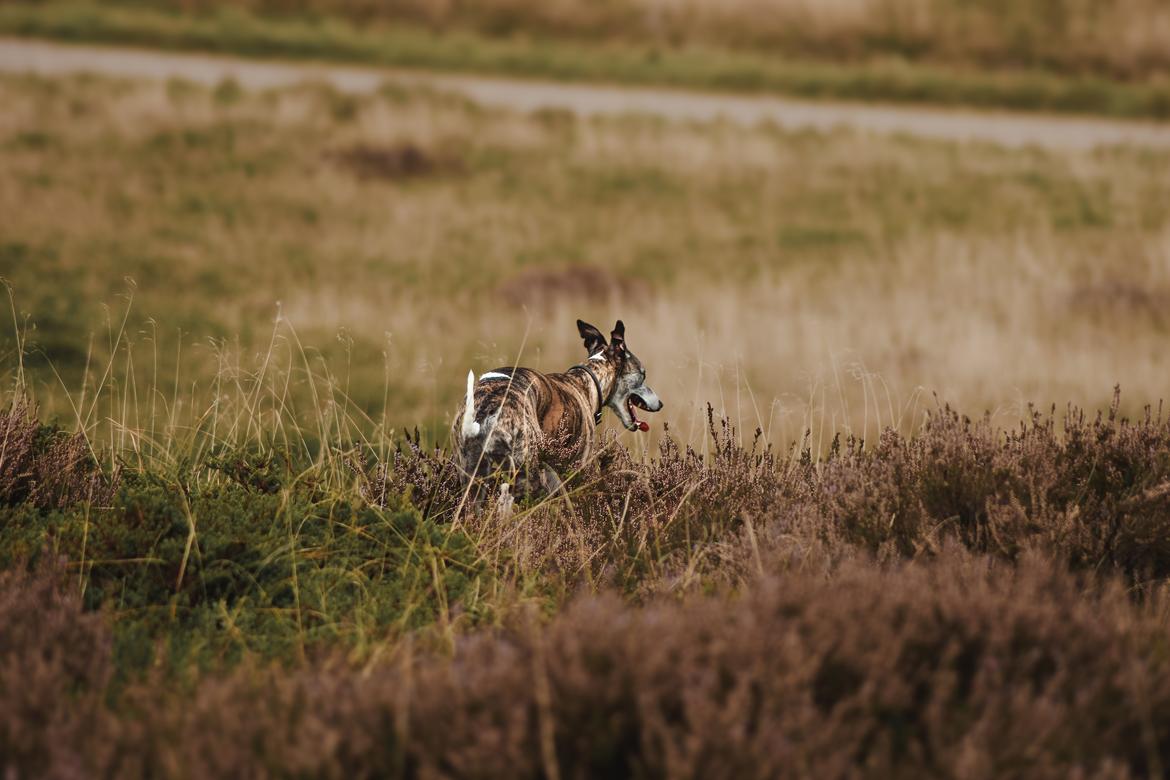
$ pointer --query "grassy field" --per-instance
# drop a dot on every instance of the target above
(1040, 55)
(231, 310)
(1070, 35)
(381, 247)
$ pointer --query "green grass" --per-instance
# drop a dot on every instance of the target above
(381, 245)
(405, 44)
(275, 572)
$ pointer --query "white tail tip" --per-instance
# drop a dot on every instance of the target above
(470, 426)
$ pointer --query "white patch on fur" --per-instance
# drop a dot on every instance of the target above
(504, 502)
(598, 356)
(470, 426)
(493, 375)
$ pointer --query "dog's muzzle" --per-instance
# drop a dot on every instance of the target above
(645, 400)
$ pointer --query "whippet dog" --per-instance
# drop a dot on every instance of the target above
(523, 421)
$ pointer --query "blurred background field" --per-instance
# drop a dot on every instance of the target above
(1057, 55)
(166, 240)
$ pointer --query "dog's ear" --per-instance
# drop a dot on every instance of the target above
(594, 341)
(618, 337)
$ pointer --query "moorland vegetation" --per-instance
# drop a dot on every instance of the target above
(226, 549)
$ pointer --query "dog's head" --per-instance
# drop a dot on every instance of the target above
(630, 390)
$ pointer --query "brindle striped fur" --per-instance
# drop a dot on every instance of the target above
(535, 424)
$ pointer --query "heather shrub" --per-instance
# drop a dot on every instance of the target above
(426, 478)
(1091, 490)
(1112, 483)
(621, 516)
(950, 480)
(43, 466)
(55, 665)
(1095, 491)
(655, 515)
(930, 668)
(889, 610)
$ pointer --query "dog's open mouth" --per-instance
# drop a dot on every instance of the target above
(632, 401)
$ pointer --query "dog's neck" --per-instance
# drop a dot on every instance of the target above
(605, 372)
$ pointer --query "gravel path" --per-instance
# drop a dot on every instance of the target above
(45, 58)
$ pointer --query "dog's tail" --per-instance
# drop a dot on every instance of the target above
(470, 426)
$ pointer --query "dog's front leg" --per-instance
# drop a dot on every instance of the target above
(549, 480)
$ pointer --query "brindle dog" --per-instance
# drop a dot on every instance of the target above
(526, 423)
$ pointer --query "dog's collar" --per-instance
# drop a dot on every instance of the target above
(596, 383)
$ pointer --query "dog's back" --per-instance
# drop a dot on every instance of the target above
(495, 426)
(514, 419)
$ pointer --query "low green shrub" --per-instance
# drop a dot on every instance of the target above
(223, 568)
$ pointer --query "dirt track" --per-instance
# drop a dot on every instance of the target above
(19, 55)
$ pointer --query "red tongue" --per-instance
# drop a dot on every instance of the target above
(643, 426)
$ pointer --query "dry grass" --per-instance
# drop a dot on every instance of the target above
(785, 277)
(1078, 56)
(1126, 38)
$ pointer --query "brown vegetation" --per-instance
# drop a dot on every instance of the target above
(394, 162)
(1092, 491)
(47, 468)
(897, 608)
(1124, 38)
(547, 289)
(929, 668)
(823, 659)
